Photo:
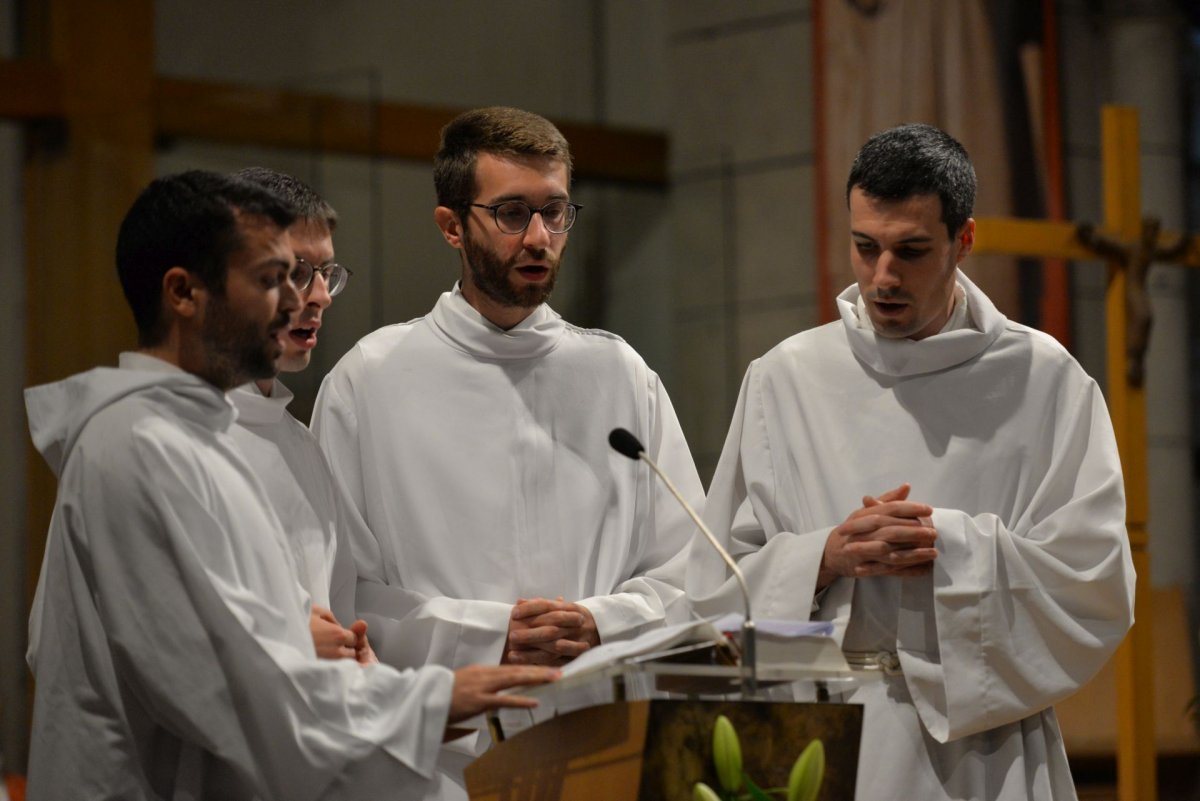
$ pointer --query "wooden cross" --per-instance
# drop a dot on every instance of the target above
(1128, 243)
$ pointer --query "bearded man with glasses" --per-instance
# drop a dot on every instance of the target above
(281, 449)
(473, 441)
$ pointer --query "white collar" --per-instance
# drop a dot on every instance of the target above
(256, 408)
(973, 326)
(457, 322)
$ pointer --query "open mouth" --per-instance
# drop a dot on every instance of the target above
(304, 337)
(890, 308)
(534, 272)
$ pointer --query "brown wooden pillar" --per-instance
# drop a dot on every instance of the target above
(81, 174)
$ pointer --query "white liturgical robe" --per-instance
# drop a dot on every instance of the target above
(169, 634)
(999, 429)
(292, 468)
(479, 460)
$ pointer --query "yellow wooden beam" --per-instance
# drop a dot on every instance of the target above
(1031, 238)
(1136, 762)
(1040, 239)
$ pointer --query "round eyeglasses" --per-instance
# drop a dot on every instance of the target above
(513, 216)
(336, 276)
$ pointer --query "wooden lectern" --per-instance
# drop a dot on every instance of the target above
(656, 750)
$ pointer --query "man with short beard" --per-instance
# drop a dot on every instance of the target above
(474, 441)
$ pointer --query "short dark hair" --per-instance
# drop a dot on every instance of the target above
(185, 220)
(499, 130)
(310, 207)
(917, 159)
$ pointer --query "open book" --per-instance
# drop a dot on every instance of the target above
(780, 643)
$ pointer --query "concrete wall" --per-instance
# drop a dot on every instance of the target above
(598, 62)
(742, 191)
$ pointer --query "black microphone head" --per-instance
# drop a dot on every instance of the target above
(625, 443)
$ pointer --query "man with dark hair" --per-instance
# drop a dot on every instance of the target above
(284, 452)
(1005, 581)
(474, 441)
(169, 635)
(504, 138)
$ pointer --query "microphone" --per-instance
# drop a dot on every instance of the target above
(626, 444)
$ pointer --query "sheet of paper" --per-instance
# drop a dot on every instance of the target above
(659, 639)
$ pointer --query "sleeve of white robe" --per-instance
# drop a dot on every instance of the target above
(654, 593)
(406, 628)
(746, 514)
(1024, 617)
(210, 658)
(344, 575)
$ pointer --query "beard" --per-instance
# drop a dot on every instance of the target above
(238, 349)
(493, 276)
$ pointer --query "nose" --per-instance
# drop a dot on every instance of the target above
(317, 293)
(886, 276)
(536, 236)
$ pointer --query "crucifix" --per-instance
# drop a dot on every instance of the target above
(1128, 244)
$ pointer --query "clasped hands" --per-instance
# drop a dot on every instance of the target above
(542, 635)
(888, 536)
(334, 642)
(546, 632)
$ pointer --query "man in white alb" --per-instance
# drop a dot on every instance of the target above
(169, 634)
(284, 452)
(940, 482)
(474, 441)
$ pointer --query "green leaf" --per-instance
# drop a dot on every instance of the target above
(807, 774)
(756, 792)
(702, 792)
(727, 755)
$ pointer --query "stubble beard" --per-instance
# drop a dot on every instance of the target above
(492, 276)
(891, 328)
(238, 350)
(888, 327)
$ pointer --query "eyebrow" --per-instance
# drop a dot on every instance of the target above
(273, 264)
(326, 263)
(912, 240)
(525, 198)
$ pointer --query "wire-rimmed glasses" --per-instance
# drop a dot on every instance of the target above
(513, 216)
(336, 276)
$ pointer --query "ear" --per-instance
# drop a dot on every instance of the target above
(179, 293)
(966, 239)
(450, 225)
